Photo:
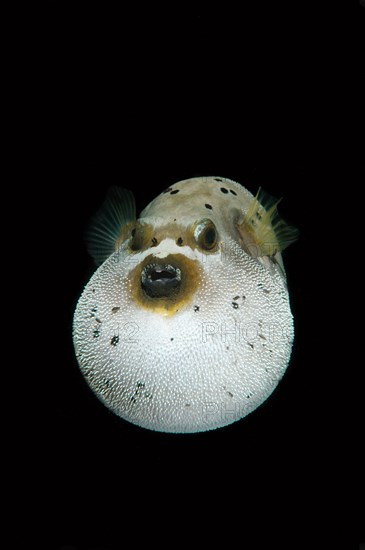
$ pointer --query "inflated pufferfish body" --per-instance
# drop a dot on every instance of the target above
(186, 325)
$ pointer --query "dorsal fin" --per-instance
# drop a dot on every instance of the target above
(106, 225)
(263, 232)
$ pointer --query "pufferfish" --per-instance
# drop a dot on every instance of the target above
(186, 325)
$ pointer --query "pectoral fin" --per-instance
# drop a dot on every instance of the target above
(108, 224)
(263, 232)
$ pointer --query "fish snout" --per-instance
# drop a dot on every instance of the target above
(165, 285)
(160, 280)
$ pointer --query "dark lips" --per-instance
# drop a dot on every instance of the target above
(159, 281)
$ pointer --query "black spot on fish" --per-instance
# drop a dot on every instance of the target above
(251, 345)
(174, 191)
(187, 404)
(236, 298)
(196, 308)
(224, 190)
(114, 340)
(229, 393)
(139, 392)
(97, 320)
(96, 333)
(179, 241)
(171, 339)
(260, 285)
(208, 206)
(233, 192)
(93, 311)
(115, 309)
(154, 241)
(235, 305)
(217, 179)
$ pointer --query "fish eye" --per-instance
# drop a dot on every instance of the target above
(205, 234)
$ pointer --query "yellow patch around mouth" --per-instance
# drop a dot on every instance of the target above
(191, 277)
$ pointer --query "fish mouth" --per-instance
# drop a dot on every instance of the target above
(165, 285)
(160, 280)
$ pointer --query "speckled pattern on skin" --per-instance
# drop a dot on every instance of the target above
(218, 349)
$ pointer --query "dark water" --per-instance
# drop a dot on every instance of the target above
(251, 96)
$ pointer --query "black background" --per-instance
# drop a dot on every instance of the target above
(267, 96)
